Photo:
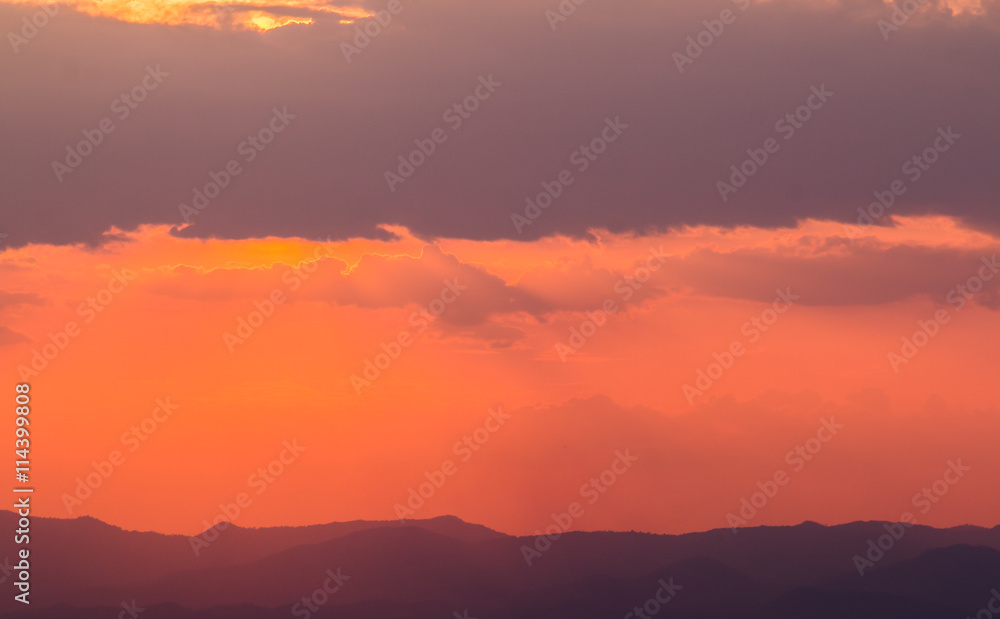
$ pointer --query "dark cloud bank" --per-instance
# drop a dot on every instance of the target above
(323, 175)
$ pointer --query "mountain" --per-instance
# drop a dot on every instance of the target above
(954, 575)
(85, 568)
(78, 553)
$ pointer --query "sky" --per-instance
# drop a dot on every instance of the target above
(397, 260)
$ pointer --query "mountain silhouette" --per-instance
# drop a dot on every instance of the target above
(84, 568)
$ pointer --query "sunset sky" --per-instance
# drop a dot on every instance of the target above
(376, 245)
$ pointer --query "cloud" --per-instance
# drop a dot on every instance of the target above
(859, 276)
(324, 175)
(375, 282)
(10, 299)
(823, 271)
(9, 336)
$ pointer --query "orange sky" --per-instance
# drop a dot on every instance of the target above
(162, 335)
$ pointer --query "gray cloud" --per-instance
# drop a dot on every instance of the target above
(9, 299)
(323, 176)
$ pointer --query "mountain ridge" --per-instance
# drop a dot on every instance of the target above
(422, 566)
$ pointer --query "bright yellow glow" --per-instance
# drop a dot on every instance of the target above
(264, 22)
(261, 15)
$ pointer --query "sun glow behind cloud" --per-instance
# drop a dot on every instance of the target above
(264, 15)
(261, 15)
